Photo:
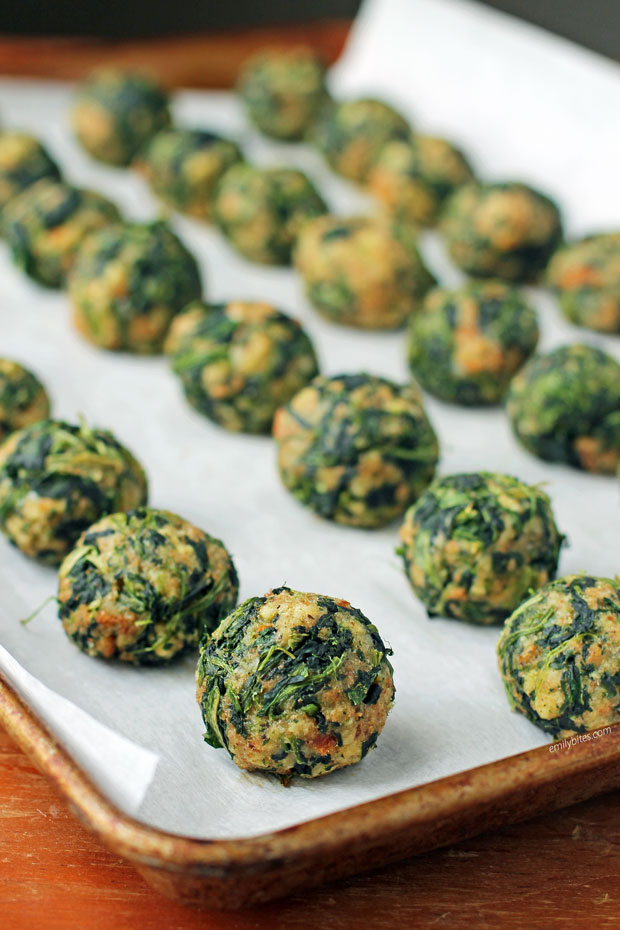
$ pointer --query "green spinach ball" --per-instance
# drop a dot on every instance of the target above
(261, 210)
(56, 479)
(46, 223)
(559, 655)
(356, 449)
(144, 586)
(23, 160)
(283, 90)
(238, 362)
(183, 167)
(23, 399)
(413, 179)
(117, 111)
(128, 283)
(474, 545)
(294, 684)
(564, 406)
(586, 276)
(362, 271)
(351, 135)
(465, 345)
(501, 230)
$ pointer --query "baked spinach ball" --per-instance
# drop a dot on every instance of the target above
(356, 449)
(23, 399)
(294, 684)
(283, 90)
(362, 271)
(128, 282)
(465, 345)
(559, 655)
(586, 276)
(23, 160)
(261, 210)
(413, 179)
(56, 479)
(351, 135)
(184, 165)
(503, 230)
(117, 111)
(46, 223)
(564, 406)
(144, 586)
(474, 545)
(238, 362)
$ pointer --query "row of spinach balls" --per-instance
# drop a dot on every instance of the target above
(359, 449)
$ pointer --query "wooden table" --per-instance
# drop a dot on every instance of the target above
(562, 870)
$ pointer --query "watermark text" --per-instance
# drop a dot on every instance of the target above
(570, 741)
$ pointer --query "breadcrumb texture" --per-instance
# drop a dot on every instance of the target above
(183, 167)
(504, 230)
(262, 210)
(586, 277)
(465, 345)
(559, 655)
(46, 224)
(238, 362)
(144, 586)
(356, 449)
(128, 283)
(117, 111)
(359, 271)
(56, 479)
(413, 179)
(23, 399)
(294, 684)
(351, 135)
(564, 406)
(283, 91)
(474, 545)
(23, 160)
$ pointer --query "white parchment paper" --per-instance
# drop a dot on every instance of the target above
(524, 105)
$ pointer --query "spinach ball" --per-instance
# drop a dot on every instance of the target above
(586, 276)
(238, 362)
(351, 135)
(465, 345)
(23, 160)
(46, 223)
(474, 545)
(128, 283)
(564, 406)
(413, 179)
(559, 655)
(56, 479)
(501, 230)
(261, 210)
(283, 90)
(183, 167)
(362, 271)
(356, 449)
(294, 684)
(144, 586)
(117, 111)
(23, 399)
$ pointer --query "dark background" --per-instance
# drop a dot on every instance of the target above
(593, 23)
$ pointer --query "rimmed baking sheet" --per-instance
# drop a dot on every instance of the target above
(454, 69)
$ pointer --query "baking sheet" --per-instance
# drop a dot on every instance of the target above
(453, 65)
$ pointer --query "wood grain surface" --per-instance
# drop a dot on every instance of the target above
(210, 60)
(562, 870)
